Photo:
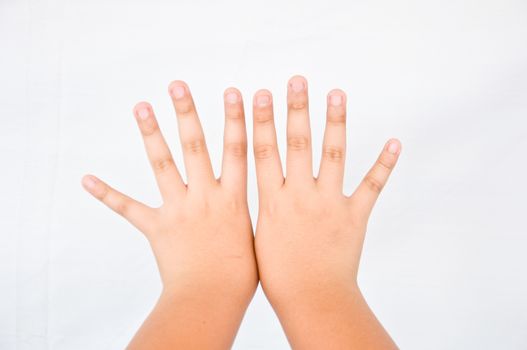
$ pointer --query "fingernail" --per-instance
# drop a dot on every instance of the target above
(297, 85)
(89, 182)
(335, 100)
(393, 147)
(262, 100)
(231, 97)
(143, 113)
(178, 91)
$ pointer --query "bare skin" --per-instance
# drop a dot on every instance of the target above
(201, 236)
(309, 235)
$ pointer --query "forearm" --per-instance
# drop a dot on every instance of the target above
(192, 320)
(332, 320)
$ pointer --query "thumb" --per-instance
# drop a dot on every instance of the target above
(369, 189)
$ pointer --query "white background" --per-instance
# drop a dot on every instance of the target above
(444, 259)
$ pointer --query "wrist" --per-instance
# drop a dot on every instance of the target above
(329, 319)
(303, 289)
(210, 292)
(314, 299)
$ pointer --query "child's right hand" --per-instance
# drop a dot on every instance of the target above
(201, 235)
(309, 235)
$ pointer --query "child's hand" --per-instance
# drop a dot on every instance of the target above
(309, 235)
(201, 235)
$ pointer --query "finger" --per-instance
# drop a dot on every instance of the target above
(331, 173)
(299, 163)
(365, 196)
(195, 154)
(234, 166)
(135, 212)
(165, 170)
(268, 166)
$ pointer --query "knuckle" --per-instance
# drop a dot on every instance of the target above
(195, 146)
(298, 143)
(373, 184)
(336, 118)
(236, 149)
(234, 113)
(384, 163)
(122, 207)
(297, 105)
(269, 207)
(102, 193)
(264, 151)
(161, 165)
(310, 206)
(263, 117)
(333, 153)
(236, 204)
(148, 129)
(184, 107)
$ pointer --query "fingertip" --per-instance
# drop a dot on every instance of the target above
(142, 110)
(297, 85)
(262, 98)
(231, 89)
(297, 78)
(394, 146)
(232, 95)
(177, 88)
(336, 98)
(260, 92)
(142, 104)
(176, 82)
(336, 91)
(89, 182)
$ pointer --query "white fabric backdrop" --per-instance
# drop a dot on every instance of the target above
(444, 259)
